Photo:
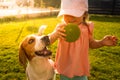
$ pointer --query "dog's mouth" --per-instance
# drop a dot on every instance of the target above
(45, 52)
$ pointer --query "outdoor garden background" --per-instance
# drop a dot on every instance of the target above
(29, 16)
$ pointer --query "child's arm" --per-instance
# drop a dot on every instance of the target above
(106, 41)
(57, 33)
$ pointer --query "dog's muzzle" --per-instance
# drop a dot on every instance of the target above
(45, 51)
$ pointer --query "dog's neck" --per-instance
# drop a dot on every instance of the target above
(37, 60)
(41, 57)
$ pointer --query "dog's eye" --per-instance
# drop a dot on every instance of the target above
(31, 41)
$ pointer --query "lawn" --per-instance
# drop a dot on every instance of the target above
(104, 61)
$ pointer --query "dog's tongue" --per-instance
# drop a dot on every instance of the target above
(43, 52)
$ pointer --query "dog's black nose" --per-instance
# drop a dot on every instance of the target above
(46, 40)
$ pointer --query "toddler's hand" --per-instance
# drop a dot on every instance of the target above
(109, 40)
(59, 32)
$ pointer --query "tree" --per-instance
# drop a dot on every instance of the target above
(47, 3)
(53, 3)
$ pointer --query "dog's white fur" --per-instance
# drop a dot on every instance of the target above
(37, 67)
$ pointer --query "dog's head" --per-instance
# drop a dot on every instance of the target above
(33, 45)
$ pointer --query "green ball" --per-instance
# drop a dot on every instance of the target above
(72, 32)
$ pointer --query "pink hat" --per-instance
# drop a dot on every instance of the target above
(73, 7)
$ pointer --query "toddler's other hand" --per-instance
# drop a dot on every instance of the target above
(109, 40)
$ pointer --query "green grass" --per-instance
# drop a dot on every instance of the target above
(104, 61)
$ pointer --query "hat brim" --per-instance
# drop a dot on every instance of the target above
(76, 13)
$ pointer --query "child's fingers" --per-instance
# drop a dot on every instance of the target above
(62, 34)
(114, 39)
(111, 39)
(61, 30)
(61, 25)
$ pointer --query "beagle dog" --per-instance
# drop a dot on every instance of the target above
(34, 56)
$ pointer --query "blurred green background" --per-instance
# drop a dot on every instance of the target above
(105, 61)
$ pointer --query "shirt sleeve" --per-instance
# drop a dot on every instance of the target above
(91, 28)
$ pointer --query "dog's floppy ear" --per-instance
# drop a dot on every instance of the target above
(22, 56)
(41, 29)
